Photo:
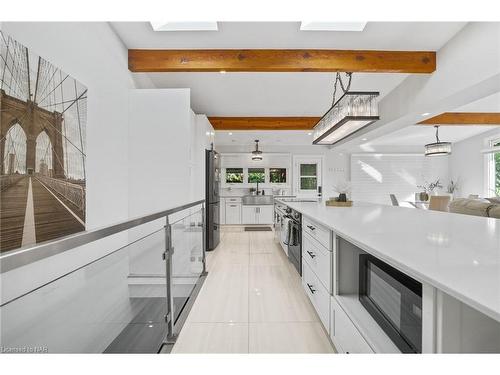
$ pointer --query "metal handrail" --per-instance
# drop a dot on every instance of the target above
(17, 258)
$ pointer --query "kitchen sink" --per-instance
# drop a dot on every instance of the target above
(257, 199)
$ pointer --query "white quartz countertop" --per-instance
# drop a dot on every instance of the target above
(458, 254)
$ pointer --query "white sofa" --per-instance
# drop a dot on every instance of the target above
(478, 207)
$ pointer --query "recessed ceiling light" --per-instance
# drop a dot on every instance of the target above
(222, 72)
(184, 26)
(309, 133)
(230, 133)
(364, 139)
(332, 26)
(426, 114)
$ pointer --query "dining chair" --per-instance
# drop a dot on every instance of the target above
(394, 200)
(439, 202)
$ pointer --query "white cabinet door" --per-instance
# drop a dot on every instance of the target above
(233, 213)
(265, 214)
(249, 215)
(222, 211)
(317, 293)
(344, 334)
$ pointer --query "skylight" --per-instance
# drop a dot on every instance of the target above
(332, 26)
(184, 26)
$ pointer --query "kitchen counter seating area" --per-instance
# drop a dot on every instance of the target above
(386, 279)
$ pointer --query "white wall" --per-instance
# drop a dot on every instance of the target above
(375, 176)
(133, 167)
(468, 164)
(202, 137)
(159, 165)
(91, 53)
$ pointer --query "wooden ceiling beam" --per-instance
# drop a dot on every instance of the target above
(263, 123)
(281, 60)
(463, 118)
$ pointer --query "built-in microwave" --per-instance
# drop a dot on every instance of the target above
(394, 300)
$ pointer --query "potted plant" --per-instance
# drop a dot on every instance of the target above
(342, 188)
(428, 188)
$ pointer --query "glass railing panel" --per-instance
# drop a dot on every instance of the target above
(101, 307)
(187, 259)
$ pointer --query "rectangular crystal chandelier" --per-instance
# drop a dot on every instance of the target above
(352, 112)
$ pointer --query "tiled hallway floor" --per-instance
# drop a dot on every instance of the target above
(251, 302)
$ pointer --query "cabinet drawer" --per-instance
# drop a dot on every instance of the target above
(233, 200)
(344, 334)
(319, 259)
(317, 293)
(317, 231)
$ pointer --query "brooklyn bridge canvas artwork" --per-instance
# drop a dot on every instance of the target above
(43, 114)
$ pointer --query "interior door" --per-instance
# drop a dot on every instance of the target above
(308, 171)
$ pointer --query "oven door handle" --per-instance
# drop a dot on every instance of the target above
(311, 254)
(311, 288)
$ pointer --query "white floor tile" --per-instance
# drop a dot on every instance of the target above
(288, 338)
(251, 300)
(275, 296)
(212, 338)
(223, 297)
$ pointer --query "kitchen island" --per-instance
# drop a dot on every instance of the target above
(455, 257)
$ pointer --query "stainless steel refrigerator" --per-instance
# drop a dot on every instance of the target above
(212, 186)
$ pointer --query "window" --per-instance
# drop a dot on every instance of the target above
(234, 175)
(308, 177)
(277, 175)
(256, 175)
(496, 171)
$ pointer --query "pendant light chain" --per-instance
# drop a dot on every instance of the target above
(437, 133)
(338, 81)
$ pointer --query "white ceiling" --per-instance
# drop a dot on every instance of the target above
(418, 135)
(487, 104)
(267, 94)
(279, 94)
(293, 94)
(376, 35)
(266, 138)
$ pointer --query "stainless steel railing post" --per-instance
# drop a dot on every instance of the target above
(169, 319)
(204, 239)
